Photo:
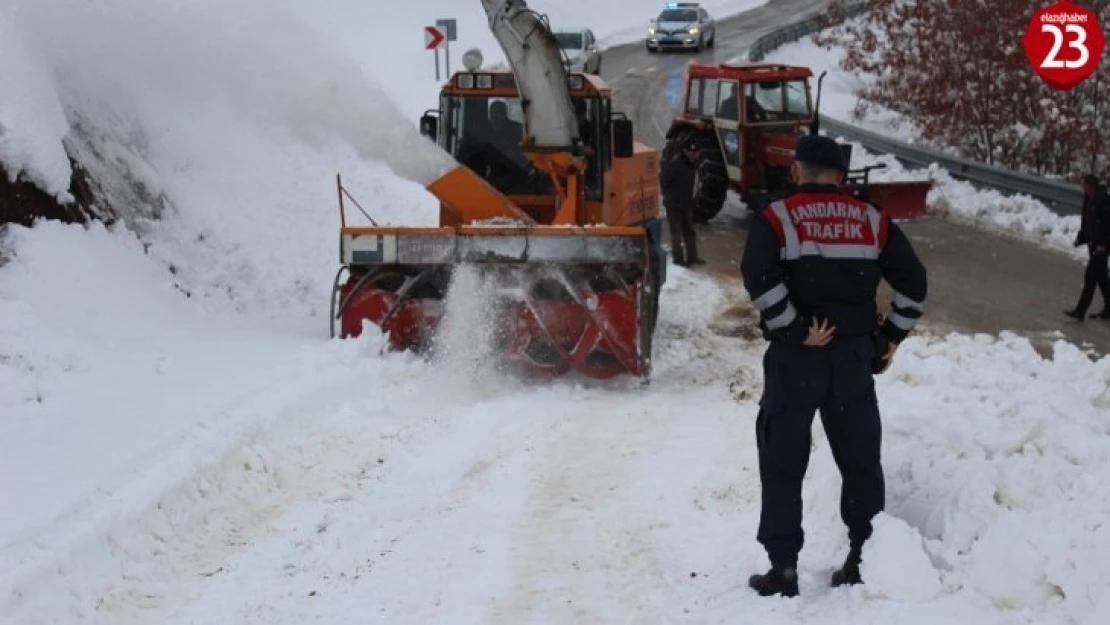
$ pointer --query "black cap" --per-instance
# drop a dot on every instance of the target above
(820, 151)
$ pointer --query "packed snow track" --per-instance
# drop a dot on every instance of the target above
(410, 491)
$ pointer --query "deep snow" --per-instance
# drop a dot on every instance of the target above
(181, 446)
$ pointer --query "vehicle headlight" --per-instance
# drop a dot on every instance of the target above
(651, 31)
(694, 30)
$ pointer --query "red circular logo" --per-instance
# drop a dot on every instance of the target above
(1064, 43)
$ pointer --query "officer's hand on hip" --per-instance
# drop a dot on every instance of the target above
(886, 359)
(819, 335)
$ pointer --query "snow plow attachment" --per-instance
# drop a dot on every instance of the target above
(903, 201)
(566, 298)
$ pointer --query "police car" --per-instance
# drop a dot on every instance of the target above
(681, 26)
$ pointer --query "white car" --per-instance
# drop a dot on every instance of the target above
(580, 51)
(681, 26)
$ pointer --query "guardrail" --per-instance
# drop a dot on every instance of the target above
(1062, 198)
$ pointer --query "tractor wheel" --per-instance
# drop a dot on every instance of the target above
(712, 181)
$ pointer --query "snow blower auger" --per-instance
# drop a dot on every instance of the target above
(554, 202)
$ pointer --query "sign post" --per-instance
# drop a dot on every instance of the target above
(1064, 43)
(433, 39)
(447, 27)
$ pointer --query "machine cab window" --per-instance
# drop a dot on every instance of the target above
(702, 99)
(776, 102)
(484, 133)
(727, 106)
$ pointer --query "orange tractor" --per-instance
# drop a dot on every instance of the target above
(553, 202)
(747, 119)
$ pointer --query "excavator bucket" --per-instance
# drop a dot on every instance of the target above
(567, 298)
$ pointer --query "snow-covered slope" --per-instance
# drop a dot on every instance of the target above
(178, 444)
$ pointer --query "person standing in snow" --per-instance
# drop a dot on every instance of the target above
(1094, 231)
(812, 265)
(677, 184)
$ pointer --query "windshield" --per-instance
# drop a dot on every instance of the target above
(569, 41)
(777, 101)
(484, 133)
(678, 15)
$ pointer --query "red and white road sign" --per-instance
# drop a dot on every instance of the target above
(433, 37)
(1064, 43)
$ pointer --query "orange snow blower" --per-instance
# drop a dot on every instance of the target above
(558, 210)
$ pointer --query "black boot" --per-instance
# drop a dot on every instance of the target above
(1102, 314)
(849, 573)
(780, 580)
(1075, 314)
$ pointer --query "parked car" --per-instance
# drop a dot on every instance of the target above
(580, 51)
(681, 26)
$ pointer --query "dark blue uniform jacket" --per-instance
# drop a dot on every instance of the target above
(821, 253)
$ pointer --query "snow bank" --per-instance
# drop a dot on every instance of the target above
(447, 493)
(1017, 216)
(32, 122)
(233, 121)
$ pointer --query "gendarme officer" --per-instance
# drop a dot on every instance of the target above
(812, 265)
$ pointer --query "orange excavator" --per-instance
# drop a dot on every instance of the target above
(552, 200)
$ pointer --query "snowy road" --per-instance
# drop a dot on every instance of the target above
(413, 492)
(985, 281)
(181, 444)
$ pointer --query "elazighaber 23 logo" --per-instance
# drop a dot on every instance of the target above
(1064, 43)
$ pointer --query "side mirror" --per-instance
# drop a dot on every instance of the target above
(429, 126)
(622, 138)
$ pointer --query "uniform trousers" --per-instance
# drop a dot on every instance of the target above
(836, 380)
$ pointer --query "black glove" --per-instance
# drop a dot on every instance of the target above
(882, 345)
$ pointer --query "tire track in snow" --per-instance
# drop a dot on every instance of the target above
(153, 559)
(599, 541)
(454, 487)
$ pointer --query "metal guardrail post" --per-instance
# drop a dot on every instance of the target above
(1060, 197)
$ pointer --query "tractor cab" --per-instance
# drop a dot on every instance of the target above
(480, 121)
(758, 113)
(748, 119)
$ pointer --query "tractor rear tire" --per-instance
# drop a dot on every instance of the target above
(712, 184)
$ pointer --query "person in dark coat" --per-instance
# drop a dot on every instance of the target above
(677, 183)
(1094, 232)
(812, 265)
